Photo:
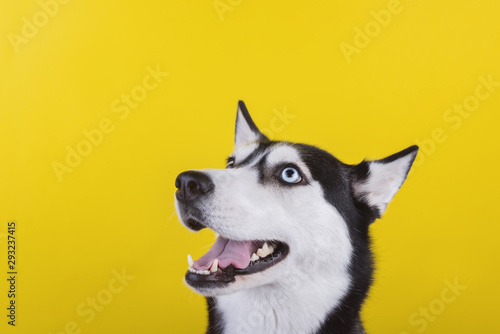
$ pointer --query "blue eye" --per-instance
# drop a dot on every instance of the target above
(291, 175)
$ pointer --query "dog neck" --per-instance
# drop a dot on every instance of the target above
(301, 303)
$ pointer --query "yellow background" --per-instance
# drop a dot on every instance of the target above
(114, 210)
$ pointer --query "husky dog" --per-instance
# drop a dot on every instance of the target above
(292, 253)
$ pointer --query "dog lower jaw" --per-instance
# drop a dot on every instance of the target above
(208, 284)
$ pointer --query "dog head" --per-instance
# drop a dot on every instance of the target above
(282, 207)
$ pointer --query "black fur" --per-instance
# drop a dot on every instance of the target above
(261, 148)
(401, 154)
(214, 317)
(361, 172)
(260, 168)
(244, 111)
(337, 180)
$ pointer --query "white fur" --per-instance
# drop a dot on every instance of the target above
(243, 133)
(296, 294)
(384, 181)
(244, 150)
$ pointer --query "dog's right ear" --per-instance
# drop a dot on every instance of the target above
(376, 182)
(246, 131)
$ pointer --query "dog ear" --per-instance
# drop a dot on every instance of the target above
(376, 182)
(246, 131)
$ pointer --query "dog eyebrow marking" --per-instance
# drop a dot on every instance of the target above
(243, 151)
(260, 166)
(258, 151)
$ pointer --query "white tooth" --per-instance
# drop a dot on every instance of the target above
(206, 272)
(254, 257)
(271, 249)
(215, 265)
(264, 251)
(265, 248)
(190, 260)
(191, 269)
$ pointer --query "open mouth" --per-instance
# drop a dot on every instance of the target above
(227, 259)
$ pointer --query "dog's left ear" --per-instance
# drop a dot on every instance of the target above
(376, 182)
(246, 131)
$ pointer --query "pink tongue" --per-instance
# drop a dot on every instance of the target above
(228, 252)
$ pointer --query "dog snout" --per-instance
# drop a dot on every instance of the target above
(192, 185)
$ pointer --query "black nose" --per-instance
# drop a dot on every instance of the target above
(192, 185)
